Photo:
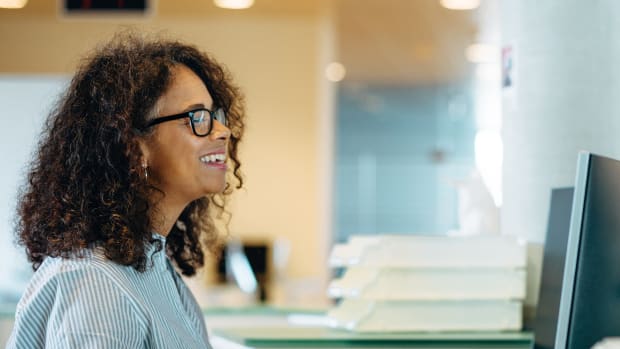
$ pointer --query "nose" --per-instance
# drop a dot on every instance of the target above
(219, 131)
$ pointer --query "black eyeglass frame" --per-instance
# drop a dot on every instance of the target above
(190, 114)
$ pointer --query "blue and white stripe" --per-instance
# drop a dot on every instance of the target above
(92, 302)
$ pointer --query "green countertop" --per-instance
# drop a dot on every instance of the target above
(260, 335)
(327, 337)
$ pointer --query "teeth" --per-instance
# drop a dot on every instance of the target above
(213, 158)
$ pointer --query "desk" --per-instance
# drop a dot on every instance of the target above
(265, 328)
(269, 328)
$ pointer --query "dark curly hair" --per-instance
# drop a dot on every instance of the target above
(85, 185)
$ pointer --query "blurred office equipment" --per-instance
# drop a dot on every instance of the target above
(404, 283)
(590, 301)
(247, 265)
(554, 258)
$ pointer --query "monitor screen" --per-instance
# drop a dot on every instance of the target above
(554, 257)
(590, 299)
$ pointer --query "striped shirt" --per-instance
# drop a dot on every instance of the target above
(92, 302)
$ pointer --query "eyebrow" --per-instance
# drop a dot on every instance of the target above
(197, 105)
(193, 107)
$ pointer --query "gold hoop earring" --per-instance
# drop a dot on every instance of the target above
(145, 167)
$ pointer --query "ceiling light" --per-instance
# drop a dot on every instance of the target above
(234, 4)
(335, 71)
(13, 3)
(460, 4)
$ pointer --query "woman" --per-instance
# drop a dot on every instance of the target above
(129, 174)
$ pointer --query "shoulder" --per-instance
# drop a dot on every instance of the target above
(89, 281)
(90, 269)
(70, 297)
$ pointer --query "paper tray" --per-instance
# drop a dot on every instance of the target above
(368, 316)
(429, 284)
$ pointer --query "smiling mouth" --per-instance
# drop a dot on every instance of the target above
(213, 158)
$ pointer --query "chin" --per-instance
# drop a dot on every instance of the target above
(216, 189)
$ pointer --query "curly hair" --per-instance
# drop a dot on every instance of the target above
(85, 187)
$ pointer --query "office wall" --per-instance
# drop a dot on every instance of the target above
(399, 152)
(277, 60)
(25, 102)
(565, 99)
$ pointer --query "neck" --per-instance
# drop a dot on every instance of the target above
(165, 215)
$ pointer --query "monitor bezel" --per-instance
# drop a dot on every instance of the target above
(572, 250)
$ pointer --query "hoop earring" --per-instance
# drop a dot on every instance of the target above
(181, 225)
(146, 172)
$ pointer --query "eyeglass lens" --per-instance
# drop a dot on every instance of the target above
(201, 120)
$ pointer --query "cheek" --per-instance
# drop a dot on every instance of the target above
(176, 159)
(167, 160)
(175, 153)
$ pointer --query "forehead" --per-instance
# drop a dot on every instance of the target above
(186, 89)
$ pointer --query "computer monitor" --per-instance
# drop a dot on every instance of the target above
(248, 264)
(590, 299)
(554, 258)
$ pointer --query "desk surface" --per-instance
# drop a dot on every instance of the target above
(265, 327)
(298, 337)
(269, 329)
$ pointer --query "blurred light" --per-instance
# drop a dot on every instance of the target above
(460, 4)
(234, 4)
(488, 148)
(239, 265)
(491, 72)
(13, 3)
(482, 53)
(335, 71)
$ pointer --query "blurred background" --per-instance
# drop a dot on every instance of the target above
(364, 117)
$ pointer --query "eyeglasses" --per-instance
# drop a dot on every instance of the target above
(202, 125)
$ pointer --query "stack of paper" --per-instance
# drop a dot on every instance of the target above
(395, 283)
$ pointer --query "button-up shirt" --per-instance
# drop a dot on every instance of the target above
(93, 302)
